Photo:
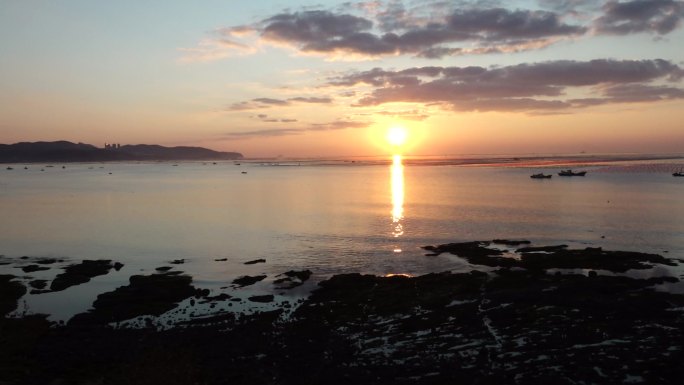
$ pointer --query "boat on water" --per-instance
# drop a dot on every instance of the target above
(571, 173)
(540, 176)
(678, 173)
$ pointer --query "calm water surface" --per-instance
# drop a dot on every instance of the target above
(329, 219)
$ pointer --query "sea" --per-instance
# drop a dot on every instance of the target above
(328, 216)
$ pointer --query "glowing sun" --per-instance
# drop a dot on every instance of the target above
(397, 136)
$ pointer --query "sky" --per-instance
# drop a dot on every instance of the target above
(330, 78)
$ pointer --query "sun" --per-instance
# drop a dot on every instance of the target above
(397, 135)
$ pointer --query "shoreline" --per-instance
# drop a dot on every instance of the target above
(523, 322)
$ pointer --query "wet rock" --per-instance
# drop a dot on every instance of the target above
(10, 292)
(38, 284)
(510, 242)
(118, 266)
(475, 252)
(247, 280)
(217, 298)
(548, 257)
(33, 268)
(547, 249)
(144, 295)
(261, 298)
(80, 273)
(163, 269)
(48, 261)
(255, 261)
(221, 259)
(292, 279)
(593, 258)
(177, 262)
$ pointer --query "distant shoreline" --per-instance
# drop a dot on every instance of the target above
(68, 152)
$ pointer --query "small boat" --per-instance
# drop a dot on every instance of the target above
(571, 173)
(10, 168)
(540, 176)
(679, 173)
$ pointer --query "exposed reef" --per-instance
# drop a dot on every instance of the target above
(10, 292)
(80, 273)
(247, 280)
(517, 324)
(549, 257)
(144, 295)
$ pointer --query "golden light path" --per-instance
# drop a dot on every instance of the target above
(397, 173)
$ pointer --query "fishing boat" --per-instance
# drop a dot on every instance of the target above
(540, 176)
(571, 173)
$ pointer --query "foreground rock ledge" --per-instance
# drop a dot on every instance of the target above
(509, 326)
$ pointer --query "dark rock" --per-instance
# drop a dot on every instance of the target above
(37, 291)
(164, 269)
(38, 284)
(144, 295)
(33, 268)
(261, 298)
(510, 243)
(293, 278)
(217, 298)
(118, 266)
(80, 273)
(47, 261)
(248, 280)
(10, 292)
(255, 261)
(593, 258)
(548, 249)
(221, 259)
(475, 252)
(178, 261)
(548, 257)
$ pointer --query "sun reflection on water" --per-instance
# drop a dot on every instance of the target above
(397, 174)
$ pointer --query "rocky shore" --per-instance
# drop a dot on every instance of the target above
(547, 314)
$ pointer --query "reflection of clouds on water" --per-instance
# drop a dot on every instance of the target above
(397, 180)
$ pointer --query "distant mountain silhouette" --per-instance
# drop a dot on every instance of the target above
(63, 151)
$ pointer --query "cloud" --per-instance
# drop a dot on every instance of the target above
(525, 87)
(264, 133)
(265, 118)
(311, 100)
(653, 16)
(404, 114)
(259, 103)
(325, 32)
(435, 29)
(335, 125)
